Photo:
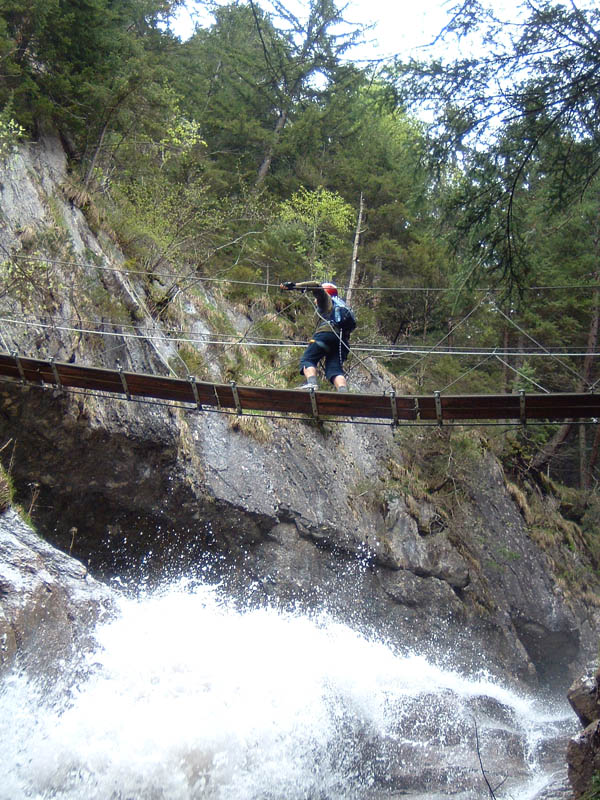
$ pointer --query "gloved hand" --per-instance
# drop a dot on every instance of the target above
(288, 285)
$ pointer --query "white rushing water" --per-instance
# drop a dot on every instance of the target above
(185, 697)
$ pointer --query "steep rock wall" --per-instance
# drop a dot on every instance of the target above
(48, 601)
(298, 514)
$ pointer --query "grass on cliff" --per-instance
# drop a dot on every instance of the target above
(561, 520)
(6, 490)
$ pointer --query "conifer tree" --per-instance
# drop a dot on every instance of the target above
(76, 65)
(532, 93)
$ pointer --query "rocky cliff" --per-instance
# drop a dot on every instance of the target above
(49, 602)
(337, 516)
(583, 752)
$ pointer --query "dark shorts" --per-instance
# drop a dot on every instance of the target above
(326, 345)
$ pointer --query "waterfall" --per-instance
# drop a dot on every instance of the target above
(184, 696)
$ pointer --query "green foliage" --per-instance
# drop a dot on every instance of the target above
(182, 134)
(6, 490)
(241, 283)
(190, 362)
(223, 80)
(10, 131)
(88, 68)
(321, 218)
(593, 793)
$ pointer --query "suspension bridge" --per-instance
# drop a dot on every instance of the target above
(388, 408)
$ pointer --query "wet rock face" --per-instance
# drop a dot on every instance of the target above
(583, 753)
(164, 495)
(584, 696)
(48, 601)
(516, 576)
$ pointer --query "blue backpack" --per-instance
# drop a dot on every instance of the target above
(343, 316)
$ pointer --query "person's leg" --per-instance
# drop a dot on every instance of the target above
(308, 364)
(334, 370)
(334, 363)
(310, 373)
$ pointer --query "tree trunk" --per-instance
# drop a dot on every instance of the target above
(582, 456)
(543, 456)
(505, 368)
(377, 271)
(109, 115)
(518, 361)
(449, 338)
(592, 342)
(426, 317)
(264, 168)
(99, 143)
(354, 265)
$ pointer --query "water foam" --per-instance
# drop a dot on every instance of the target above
(186, 698)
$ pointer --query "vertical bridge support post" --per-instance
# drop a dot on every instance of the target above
(236, 398)
(394, 408)
(192, 381)
(313, 402)
(522, 409)
(56, 375)
(438, 408)
(19, 367)
(124, 382)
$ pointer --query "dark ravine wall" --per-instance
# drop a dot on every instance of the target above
(290, 514)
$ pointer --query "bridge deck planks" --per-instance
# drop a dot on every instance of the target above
(329, 404)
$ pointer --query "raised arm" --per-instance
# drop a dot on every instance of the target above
(324, 303)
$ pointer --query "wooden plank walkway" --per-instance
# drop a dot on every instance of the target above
(392, 407)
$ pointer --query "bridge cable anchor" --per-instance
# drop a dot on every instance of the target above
(217, 398)
(313, 402)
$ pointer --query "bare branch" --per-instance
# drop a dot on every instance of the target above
(485, 778)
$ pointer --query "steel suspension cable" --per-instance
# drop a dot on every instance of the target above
(444, 338)
(263, 284)
(531, 338)
(384, 351)
(522, 375)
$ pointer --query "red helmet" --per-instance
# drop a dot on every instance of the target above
(330, 288)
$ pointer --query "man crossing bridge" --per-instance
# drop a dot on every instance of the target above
(331, 339)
